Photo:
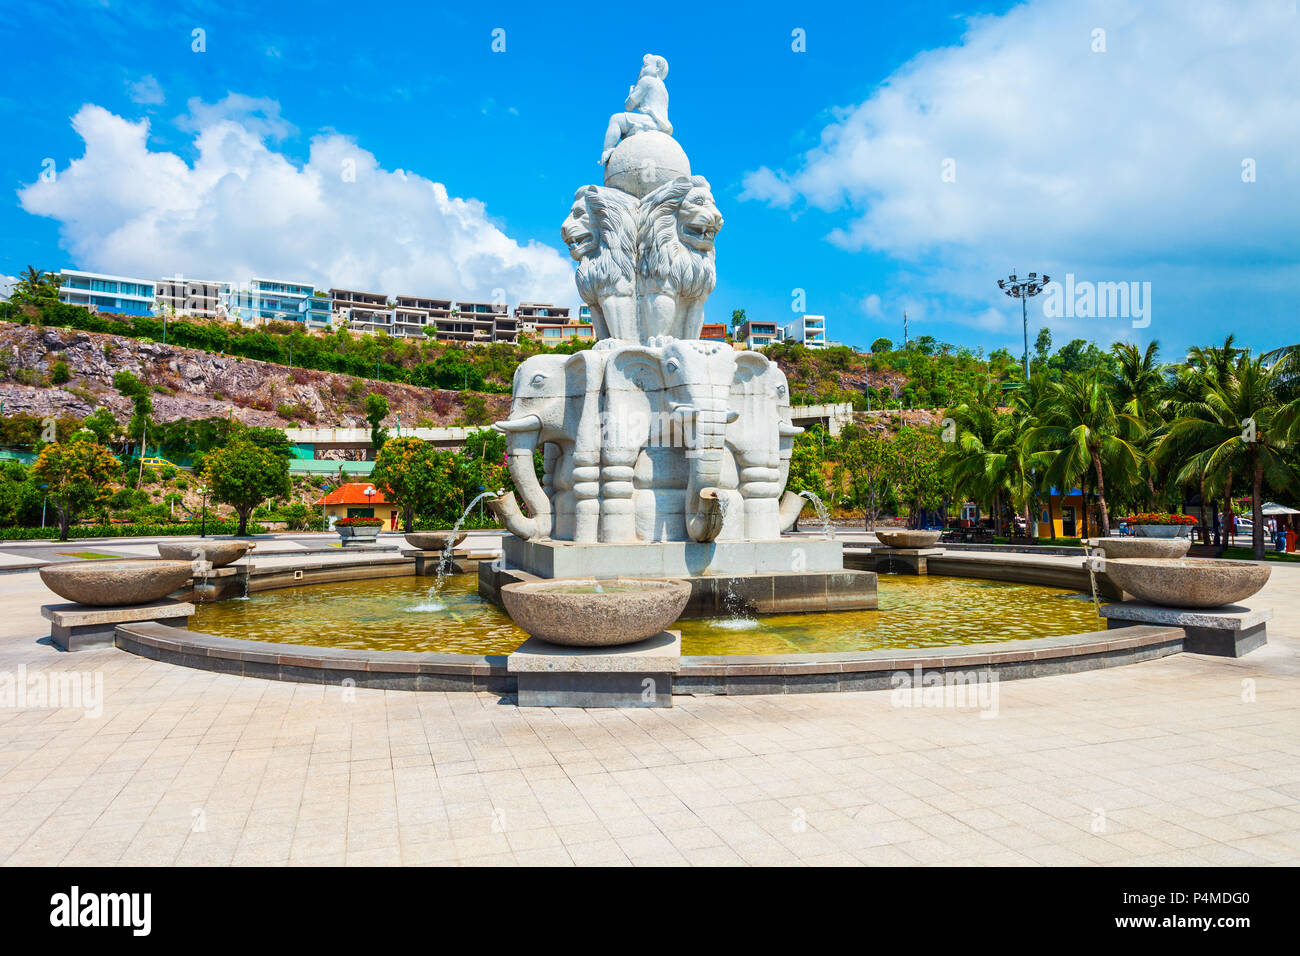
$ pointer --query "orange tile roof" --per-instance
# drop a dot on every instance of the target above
(353, 493)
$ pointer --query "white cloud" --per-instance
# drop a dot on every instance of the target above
(1124, 164)
(147, 91)
(243, 209)
(871, 306)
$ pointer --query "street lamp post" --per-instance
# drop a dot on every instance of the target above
(203, 511)
(1024, 290)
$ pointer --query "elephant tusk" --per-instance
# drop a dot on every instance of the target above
(786, 430)
(527, 423)
(732, 415)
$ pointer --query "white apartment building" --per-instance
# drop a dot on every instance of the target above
(202, 298)
(127, 295)
(277, 300)
(809, 330)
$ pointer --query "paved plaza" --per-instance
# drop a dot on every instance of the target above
(1186, 760)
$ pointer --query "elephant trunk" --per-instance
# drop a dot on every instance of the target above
(506, 508)
(523, 434)
(704, 508)
(792, 504)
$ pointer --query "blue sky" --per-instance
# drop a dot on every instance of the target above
(905, 159)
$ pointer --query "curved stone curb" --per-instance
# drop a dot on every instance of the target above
(771, 674)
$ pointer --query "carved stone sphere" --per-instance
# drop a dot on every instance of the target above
(645, 161)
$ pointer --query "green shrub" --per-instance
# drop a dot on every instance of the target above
(60, 373)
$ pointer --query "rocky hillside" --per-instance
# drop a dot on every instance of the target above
(193, 384)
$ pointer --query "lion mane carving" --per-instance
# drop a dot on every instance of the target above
(675, 270)
(600, 232)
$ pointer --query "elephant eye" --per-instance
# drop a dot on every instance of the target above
(538, 379)
(780, 390)
(671, 365)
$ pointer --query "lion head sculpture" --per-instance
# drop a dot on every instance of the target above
(679, 222)
(600, 232)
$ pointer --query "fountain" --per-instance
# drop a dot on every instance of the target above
(104, 594)
(823, 513)
(666, 455)
(438, 548)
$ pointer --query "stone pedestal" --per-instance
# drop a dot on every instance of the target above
(672, 559)
(426, 562)
(218, 585)
(901, 560)
(74, 627)
(1229, 631)
(631, 675)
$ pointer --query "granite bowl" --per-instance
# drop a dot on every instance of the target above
(219, 553)
(1131, 547)
(433, 540)
(117, 583)
(1187, 582)
(585, 612)
(908, 539)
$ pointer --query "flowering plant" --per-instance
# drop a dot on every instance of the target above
(359, 523)
(1161, 517)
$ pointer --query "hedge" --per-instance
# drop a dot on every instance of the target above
(125, 531)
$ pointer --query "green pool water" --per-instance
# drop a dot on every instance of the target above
(402, 614)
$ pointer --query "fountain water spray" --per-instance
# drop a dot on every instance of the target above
(823, 513)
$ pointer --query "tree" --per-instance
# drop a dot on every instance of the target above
(1239, 423)
(417, 477)
(243, 475)
(882, 345)
(376, 412)
(33, 285)
(76, 474)
(1082, 432)
(918, 474)
(102, 425)
(1043, 345)
(737, 318)
(868, 466)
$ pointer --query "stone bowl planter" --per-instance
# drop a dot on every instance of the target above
(433, 540)
(585, 612)
(1128, 547)
(358, 534)
(908, 539)
(1163, 530)
(103, 583)
(220, 553)
(1187, 582)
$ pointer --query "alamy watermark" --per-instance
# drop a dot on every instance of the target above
(1083, 299)
(78, 690)
(934, 688)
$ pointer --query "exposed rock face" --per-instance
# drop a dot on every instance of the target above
(201, 385)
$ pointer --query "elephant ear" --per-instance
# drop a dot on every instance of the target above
(750, 369)
(635, 367)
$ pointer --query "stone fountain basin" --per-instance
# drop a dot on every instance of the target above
(118, 583)
(220, 553)
(433, 540)
(584, 612)
(908, 539)
(1187, 582)
(1130, 547)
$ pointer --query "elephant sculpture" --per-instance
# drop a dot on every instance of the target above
(760, 442)
(666, 411)
(557, 405)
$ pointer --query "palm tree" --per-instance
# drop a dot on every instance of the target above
(1081, 431)
(1240, 424)
(1140, 387)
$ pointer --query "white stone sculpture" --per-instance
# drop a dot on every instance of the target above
(654, 435)
(646, 105)
(600, 232)
(675, 268)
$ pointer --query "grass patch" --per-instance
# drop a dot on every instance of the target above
(86, 555)
(1246, 554)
